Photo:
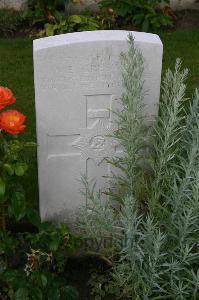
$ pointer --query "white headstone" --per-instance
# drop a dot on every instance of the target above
(77, 84)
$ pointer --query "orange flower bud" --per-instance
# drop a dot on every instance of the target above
(6, 97)
(12, 121)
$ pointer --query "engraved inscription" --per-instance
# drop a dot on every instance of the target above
(98, 107)
(60, 145)
(97, 69)
(95, 142)
(98, 113)
(98, 143)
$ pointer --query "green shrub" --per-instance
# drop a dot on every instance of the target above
(32, 265)
(141, 13)
(71, 23)
(43, 11)
(10, 22)
(152, 215)
(49, 18)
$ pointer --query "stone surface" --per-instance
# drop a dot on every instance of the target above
(14, 4)
(175, 5)
(184, 4)
(93, 4)
(77, 85)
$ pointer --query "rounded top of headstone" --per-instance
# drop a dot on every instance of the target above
(94, 36)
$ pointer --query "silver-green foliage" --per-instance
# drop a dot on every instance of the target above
(155, 226)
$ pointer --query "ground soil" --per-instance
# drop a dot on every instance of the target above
(187, 19)
(78, 272)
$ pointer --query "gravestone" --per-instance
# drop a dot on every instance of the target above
(77, 86)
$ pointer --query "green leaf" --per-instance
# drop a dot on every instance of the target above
(2, 187)
(75, 19)
(54, 244)
(50, 29)
(20, 169)
(22, 294)
(44, 280)
(3, 266)
(53, 294)
(30, 144)
(145, 25)
(9, 169)
(18, 206)
(70, 293)
(33, 217)
(36, 294)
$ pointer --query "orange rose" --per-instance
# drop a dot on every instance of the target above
(12, 121)
(6, 97)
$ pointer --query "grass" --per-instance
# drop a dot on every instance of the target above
(16, 72)
(183, 44)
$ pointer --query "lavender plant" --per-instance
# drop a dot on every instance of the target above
(155, 225)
